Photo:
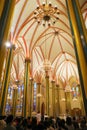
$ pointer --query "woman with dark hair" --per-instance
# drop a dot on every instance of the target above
(75, 124)
(2, 124)
(9, 122)
(69, 123)
(34, 123)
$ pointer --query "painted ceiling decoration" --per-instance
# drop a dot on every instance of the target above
(43, 39)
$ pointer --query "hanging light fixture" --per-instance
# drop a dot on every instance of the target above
(46, 14)
(46, 64)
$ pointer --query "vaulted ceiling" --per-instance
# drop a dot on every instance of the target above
(37, 42)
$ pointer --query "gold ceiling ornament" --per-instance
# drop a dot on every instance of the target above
(46, 14)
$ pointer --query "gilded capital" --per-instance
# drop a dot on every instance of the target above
(27, 60)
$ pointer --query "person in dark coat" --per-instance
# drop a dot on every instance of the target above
(9, 122)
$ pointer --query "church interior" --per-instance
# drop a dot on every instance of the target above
(43, 57)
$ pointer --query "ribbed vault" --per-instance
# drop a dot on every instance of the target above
(37, 42)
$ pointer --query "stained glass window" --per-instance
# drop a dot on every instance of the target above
(75, 92)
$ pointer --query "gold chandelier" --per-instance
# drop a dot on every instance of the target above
(46, 14)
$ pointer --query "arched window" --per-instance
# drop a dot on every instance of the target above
(75, 92)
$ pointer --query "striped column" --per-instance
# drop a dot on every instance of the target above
(26, 86)
(81, 21)
(15, 90)
(30, 97)
(81, 61)
(53, 97)
(68, 102)
(81, 25)
(47, 94)
(1, 6)
(6, 12)
(38, 96)
(6, 79)
(58, 104)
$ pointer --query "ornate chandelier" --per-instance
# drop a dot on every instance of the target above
(46, 14)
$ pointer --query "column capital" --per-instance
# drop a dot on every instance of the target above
(17, 82)
(57, 85)
(13, 47)
(53, 81)
(27, 60)
(31, 79)
(10, 45)
(47, 76)
(38, 83)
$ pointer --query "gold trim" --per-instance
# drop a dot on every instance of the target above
(7, 84)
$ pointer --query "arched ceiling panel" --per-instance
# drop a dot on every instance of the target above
(37, 42)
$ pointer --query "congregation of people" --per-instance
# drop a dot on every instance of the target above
(49, 123)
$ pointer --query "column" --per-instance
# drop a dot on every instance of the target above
(30, 97)
(58, 104)
(81, 61)
(15, 90)
(34, 96)
(26, 86)
(53, 98)
(47, 93)
(68, 102)
(0, 89)
(80, 19)
(81, 25)
(1, 6)
(38, 96)
(81, 100)
(6, 10)
(6, 79)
